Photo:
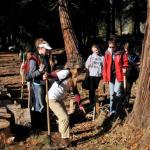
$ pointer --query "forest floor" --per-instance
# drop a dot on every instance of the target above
(83, 131)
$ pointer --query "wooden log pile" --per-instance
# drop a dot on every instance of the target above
(5, 117)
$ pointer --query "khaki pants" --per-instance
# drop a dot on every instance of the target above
(59, 110)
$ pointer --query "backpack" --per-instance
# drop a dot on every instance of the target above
(27, 66)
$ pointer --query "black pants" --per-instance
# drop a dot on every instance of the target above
(94, 82)
(92, 97)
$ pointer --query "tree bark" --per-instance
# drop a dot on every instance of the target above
(136, 27)
(140, 116)
(70, 40)
(108, 20)
(113, 17)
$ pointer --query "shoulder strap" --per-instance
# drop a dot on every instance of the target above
(62, 80)
(27, 67)
(35, 58)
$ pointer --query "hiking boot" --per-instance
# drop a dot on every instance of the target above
(65, 143)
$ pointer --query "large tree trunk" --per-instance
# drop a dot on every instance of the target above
(140, 116)
(70, 40)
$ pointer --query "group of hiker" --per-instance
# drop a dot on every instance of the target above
(112, 68)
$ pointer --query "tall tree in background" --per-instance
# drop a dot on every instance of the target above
(108, 21)
(70, 39)
(140, 115)
(113, 16)
(136, 18)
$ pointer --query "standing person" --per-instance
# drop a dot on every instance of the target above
(37, 67)
(56, 94)
(133, 69)
(94, 64)
(115, 65)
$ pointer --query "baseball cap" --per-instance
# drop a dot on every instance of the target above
(46, 46)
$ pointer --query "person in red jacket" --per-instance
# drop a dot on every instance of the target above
(115, 65)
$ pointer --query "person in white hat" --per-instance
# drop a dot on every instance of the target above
(36, 70)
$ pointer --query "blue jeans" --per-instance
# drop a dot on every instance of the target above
(115, 90)
(38, 97)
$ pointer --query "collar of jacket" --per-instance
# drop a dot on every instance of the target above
(115, 53)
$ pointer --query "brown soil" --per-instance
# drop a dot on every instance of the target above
(84, 134)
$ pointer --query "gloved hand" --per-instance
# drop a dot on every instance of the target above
(77, 98)
(45, 76)
(42, 68)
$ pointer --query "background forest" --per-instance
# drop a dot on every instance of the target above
(94, 21)
(75, 25)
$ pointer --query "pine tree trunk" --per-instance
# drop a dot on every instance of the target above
(136, 27)
(140, 116)
(108, 20)
(70, 40)
(113, 16)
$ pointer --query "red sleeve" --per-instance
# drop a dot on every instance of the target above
(105, 69)
(125, 60)
(53, 75)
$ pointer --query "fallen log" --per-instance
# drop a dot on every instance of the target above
(3, 110)
(5, 115)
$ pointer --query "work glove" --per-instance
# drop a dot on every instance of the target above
(78, 99)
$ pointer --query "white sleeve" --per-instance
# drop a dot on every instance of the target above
(87, 63)
(62, 74)
(102, 58)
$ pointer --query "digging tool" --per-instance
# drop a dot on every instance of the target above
(22, 86)
(94, 112)
(124, 82)
(126, 103)
(29, 94)
(104, 92)
(48, 114)
(94, 108)
(104, 89)
(28, 112)
(22, 80)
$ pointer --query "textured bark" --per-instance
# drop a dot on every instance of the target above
(70, 39)
(140, 115)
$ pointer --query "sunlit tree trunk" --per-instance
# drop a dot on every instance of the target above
(140, 116)
(70, 39)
